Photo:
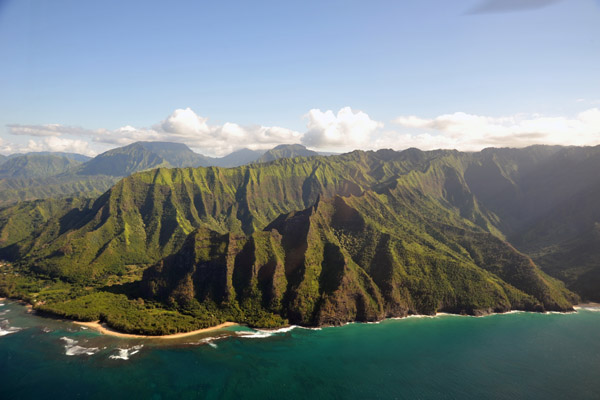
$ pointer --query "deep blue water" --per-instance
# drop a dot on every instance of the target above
(511, 356)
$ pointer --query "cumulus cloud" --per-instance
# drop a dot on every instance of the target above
(473, 132)
(185, 122)
(347, 130)
(61, 145)
(53, 143)
(325, 130)
(183, 125)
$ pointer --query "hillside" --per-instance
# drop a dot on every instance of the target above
(547, 208)
(320, 240)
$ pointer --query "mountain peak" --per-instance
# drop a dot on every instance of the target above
(287, 151)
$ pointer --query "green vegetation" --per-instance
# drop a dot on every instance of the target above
(318, 240)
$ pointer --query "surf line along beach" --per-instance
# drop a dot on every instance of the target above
(102, 328)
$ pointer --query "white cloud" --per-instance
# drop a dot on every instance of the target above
(183, 126)
(325, 130)
(473, 132)
(59, 144)
(347, 130)
(53, 143)
(185, 122)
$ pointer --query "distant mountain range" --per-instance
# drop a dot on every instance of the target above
(38, 165)
(287, 151)
(46, 174)
(315, 240)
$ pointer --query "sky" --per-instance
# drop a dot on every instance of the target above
(85, 77)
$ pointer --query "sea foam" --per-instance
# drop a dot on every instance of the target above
(265, 333)
(254, 334)
(72, 349)
(594, 309)
(6, 329)
(9, 330)
(280, 330)
(210, 341)
(124, 354)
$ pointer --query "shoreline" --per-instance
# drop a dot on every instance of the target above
(102, 328)
(586, 305)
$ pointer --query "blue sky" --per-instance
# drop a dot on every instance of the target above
(87, 76)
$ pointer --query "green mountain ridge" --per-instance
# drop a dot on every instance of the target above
(71, 175)
(34, 176)
(317, 240)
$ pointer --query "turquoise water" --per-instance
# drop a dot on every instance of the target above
(511, 356)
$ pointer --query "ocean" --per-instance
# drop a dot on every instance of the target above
(508, 356)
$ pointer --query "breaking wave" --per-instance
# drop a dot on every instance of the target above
(72, 349)
(124, 354)
(5, 329)
(9, 330)
(594, 309)
(280, 330)
(210, 341)
(254, 334)
(265, 333)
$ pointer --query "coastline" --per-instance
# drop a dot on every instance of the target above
(586, 305)
(102, 328)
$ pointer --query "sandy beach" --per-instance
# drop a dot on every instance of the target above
(102, 328)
